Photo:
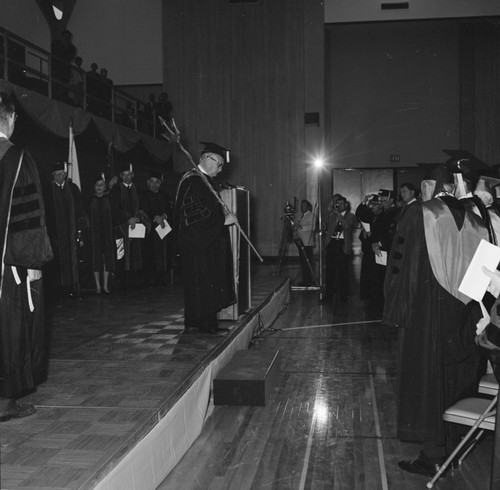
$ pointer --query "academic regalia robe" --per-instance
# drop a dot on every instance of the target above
(205, 250)
(24, 244)
(437, 360)
(125, 205)
(157, 253)
(65, 216)
(101, 234)
(366, 278)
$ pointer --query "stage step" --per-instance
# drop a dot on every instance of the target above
(248, 379)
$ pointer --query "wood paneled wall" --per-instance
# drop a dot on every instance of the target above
(480, 88)
(391, 89)
(236, 76)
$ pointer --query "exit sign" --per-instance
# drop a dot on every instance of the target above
(395, 158)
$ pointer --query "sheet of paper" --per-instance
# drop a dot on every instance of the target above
(163, 232)
(382, 260)
(139, 231)
(475, 282)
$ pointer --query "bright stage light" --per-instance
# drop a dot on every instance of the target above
(318, 162)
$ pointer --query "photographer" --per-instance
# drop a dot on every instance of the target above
(338, 248)
(303, 238)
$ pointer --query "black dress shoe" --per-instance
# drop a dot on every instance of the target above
(420, 466)
(17, 411)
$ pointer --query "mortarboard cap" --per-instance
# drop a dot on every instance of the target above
(99, 176)
(438, 172)
(386, 193)
(156, 175)
(463, 162)
(126, 167)
(217, 149)
(60, 166)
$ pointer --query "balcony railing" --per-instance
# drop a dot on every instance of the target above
(27, 65)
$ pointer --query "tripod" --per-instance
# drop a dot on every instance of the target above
(285, 239)
(288, 235)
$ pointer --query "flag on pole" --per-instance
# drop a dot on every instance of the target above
(73, 171)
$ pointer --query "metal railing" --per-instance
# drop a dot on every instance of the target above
(27, 65)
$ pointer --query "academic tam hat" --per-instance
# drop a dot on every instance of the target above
(217, 149)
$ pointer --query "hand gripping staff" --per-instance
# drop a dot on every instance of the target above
(174, 135)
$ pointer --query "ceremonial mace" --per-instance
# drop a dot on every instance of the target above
(175, 135)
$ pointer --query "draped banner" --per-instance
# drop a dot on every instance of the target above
(55, 117)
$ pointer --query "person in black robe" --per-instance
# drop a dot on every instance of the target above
(101, 235)
(127, 214)
(157, 250)
(204, 244)
(438, 363)
(24, 250)
(382, 235)
(66, 222)
(366, 213)
(488, 339)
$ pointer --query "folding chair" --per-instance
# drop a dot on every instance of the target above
(488, 385)
(479, 413)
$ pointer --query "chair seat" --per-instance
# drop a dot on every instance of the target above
(488, 385)
(468, 410)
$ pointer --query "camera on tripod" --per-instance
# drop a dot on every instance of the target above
(290, 210)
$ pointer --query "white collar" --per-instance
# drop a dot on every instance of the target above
(3, 135)
(202, 170)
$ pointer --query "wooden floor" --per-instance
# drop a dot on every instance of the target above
(118, 363)
(331, 422)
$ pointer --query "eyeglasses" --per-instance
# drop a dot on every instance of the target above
(220, 163)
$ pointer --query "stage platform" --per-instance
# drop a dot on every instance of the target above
(128, 391)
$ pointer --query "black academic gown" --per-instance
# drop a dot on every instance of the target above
(101, 234)
(366, 282)
(157, 253)
(437, 359)
(24, 244)
(125, 205)
(65, 216)
(205, 250)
